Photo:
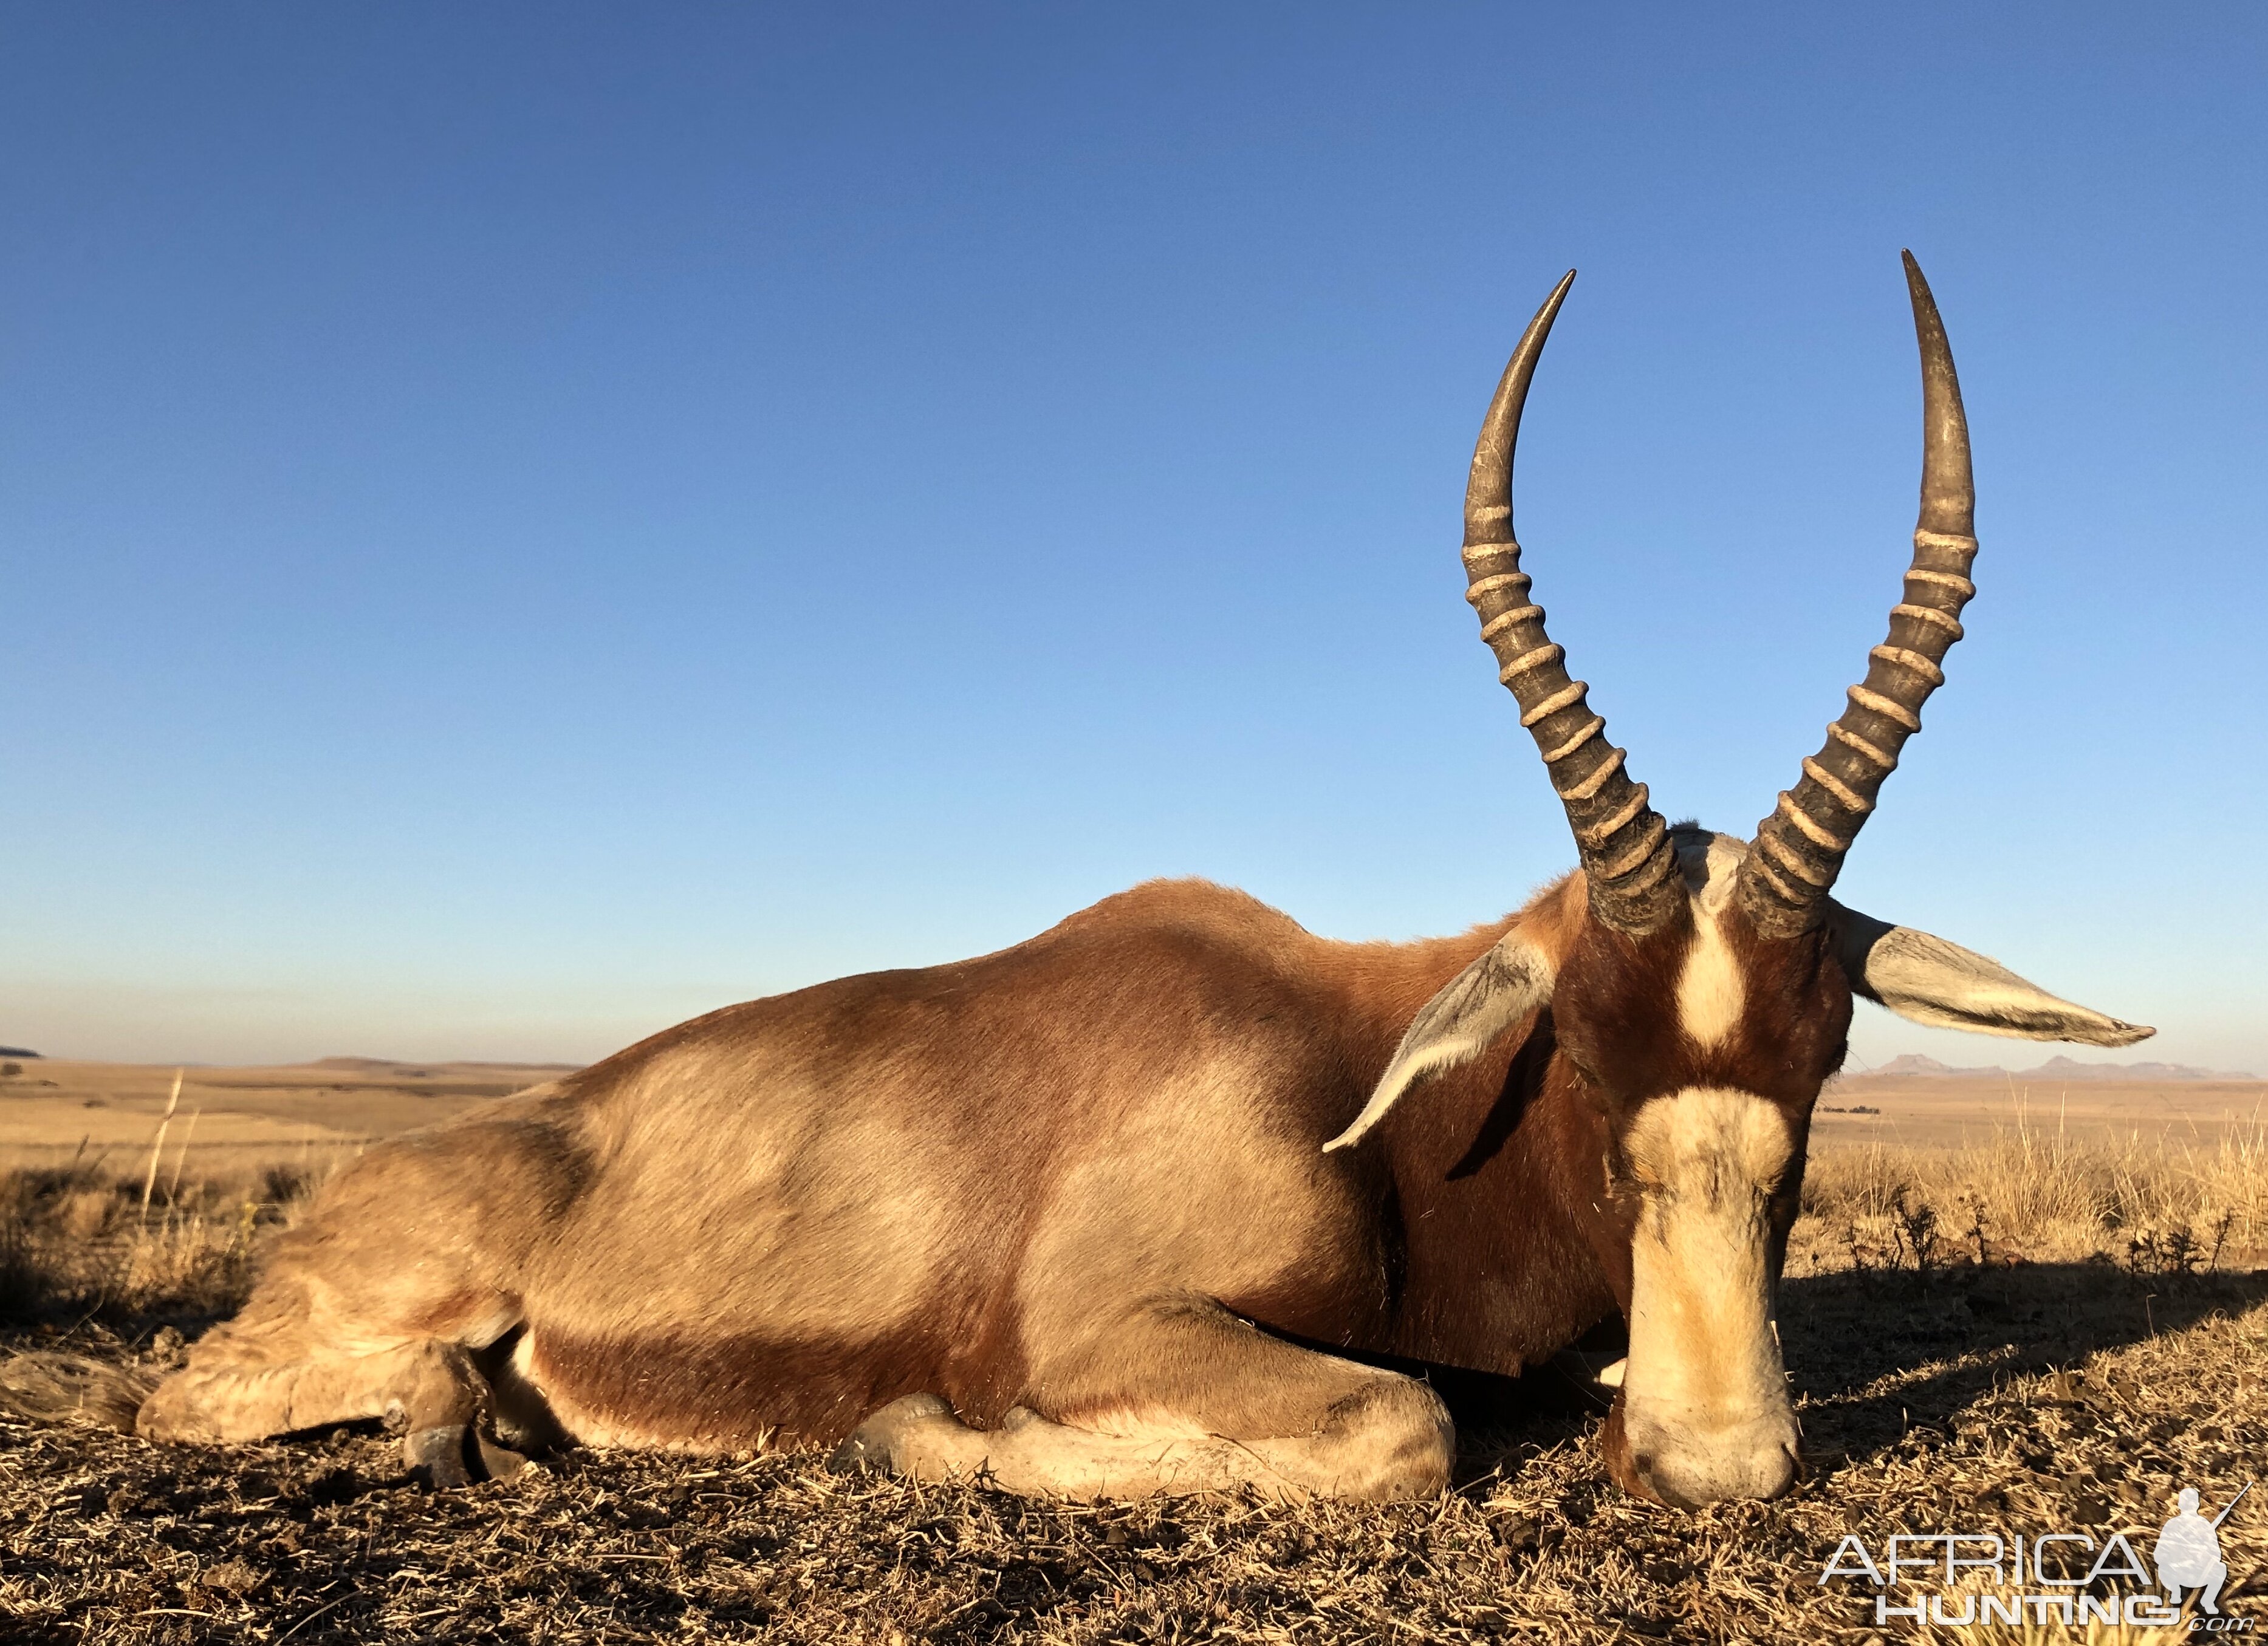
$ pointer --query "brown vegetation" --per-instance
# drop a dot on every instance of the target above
(2033, 1332)
(2023, 1191)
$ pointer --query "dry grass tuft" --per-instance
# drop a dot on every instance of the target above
(2033, 1192)
(2067, 1372)
(73, 1241)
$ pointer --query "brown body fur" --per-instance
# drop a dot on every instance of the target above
(1049, 1178)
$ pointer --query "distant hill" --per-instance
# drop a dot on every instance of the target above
(17, 1051)
(2057, 1068)
(392, 1065)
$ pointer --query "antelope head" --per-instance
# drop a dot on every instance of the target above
(1705, 994)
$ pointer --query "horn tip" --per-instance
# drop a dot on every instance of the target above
(1558, 296)
(1916, 282)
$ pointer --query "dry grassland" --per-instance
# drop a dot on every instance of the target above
(233, 1122)
(2014, 1327)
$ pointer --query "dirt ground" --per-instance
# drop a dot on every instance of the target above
(2065, 1396)
(2028, 1376)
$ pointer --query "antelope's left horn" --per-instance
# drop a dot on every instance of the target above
(1801, 846)
(1625, 846)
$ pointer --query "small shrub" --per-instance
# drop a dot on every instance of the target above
(280, 1185)
(1915, 1230)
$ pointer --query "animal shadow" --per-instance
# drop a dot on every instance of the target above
(1873, 1355)
(1881, 1353)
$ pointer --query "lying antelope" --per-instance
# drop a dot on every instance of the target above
(1139, 1205)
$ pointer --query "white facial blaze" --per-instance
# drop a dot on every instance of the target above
(1710, 991)
(1705, 1399)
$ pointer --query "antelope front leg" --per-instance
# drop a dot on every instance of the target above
(1185, 1398)
(241, 1386)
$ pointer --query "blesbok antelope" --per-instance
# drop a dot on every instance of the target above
(1139, 1205)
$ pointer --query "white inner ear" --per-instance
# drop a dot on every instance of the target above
(1927, 979)
(1487, 997)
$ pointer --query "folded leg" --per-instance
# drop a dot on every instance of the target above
(1183, 1396)
(427, 1391)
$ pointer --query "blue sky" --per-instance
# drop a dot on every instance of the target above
(518, 524)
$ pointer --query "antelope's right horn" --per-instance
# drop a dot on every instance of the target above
(1799, 847)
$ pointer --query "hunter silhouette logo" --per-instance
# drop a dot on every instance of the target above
(2188, 1553)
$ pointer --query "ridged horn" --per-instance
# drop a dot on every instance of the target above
(1799, 847)
(1623, 845)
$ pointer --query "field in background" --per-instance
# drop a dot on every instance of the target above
(2001, 1311)
(134, 1188)
(1962, 1109)
(234, 1120)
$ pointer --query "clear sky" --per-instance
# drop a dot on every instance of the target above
(521, 523)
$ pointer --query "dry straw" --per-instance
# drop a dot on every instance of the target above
(158, 1147)
(188, 1135)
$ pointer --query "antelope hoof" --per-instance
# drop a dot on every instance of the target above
(437, 1457)
(498, 1462)
(879, 1443)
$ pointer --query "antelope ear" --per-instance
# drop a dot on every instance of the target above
(1487, 997)
(1927, 979)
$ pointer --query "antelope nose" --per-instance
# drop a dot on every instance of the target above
(1689, 1482)
(1690, 1463)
